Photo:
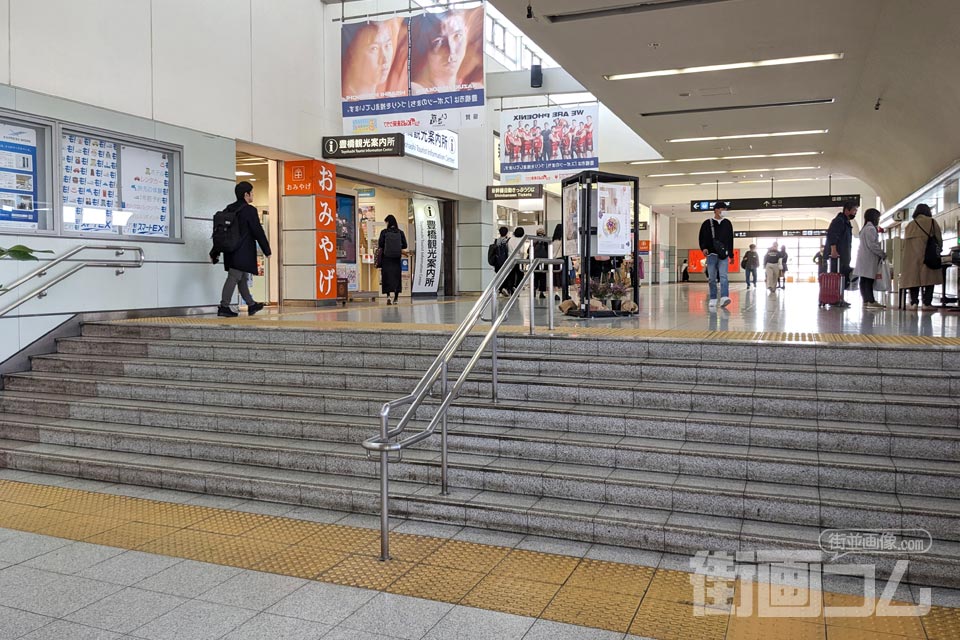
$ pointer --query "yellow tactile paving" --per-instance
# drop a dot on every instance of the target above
(596, 332)
(667, 620)
(511, 595)
(301, 562)
(436, 583)
(366, 572)
(593, 608)
(544, 566)
(605, 595)
(612, 577)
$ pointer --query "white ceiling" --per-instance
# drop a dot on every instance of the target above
(905, 53)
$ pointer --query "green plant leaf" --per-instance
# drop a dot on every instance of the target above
(20, 252)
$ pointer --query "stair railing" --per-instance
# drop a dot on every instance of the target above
(389, 439)
(44, 269)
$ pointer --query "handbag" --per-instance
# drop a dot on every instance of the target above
(718, 247)
(882, 282)
(378, 258)
(931, 253)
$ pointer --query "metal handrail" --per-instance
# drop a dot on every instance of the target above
(387, 441)
(42, 271)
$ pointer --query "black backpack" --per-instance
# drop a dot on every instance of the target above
(227, 236)
(497, 254)
(392, 244)
(931, 252)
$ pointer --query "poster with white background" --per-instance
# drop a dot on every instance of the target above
(145, 191)
(613, 220)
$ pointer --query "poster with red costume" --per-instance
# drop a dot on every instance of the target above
(547, 144)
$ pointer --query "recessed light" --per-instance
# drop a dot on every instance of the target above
(777, 134)
(774, 62)
(243, 173)
(750, 157)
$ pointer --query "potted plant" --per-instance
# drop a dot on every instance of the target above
(618, 291)
(18, 252)
(600, 291)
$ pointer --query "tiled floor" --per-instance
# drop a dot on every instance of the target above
(665, 311)
(81, 559)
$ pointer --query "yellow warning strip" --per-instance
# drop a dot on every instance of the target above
(653, 603)
(596, 332)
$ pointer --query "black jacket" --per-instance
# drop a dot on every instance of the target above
(724, 233)
(840, 233)
(251, 234)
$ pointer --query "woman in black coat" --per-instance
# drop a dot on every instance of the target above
(392, 244)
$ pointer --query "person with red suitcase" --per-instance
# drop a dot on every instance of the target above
(840, 245)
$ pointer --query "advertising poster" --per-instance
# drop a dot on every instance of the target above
(426, 216)
(347, 240)
(613, 220)
(547, 144)
(18, 177)
(351, 273)
(697, 262)
(90, 183)
(412, 74)
(145, 191)
(571, 220)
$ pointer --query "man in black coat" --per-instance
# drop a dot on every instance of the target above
(243, 260)
(716, 243)
(840, 242)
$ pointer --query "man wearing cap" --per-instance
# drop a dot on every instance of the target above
(716, 242)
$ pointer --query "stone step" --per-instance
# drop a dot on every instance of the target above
(837, 437)
(542, 401)
(850, 355)
(652, 529)
(880, 473)
(811, 506)
(615, 370)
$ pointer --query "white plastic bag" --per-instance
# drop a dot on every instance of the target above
(882, 282)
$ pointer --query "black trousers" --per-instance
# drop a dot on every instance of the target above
(927, 294)
(866, 289)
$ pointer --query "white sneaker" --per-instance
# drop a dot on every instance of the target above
(713, 304)
(724, 301)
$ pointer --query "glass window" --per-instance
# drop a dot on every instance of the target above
(25, 189)
(110, 187)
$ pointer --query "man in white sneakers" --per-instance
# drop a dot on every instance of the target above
(716, 242)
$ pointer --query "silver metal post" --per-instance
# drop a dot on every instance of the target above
(533, 288)
(384, 496)
(495, 313)
(443, 432)
(550, 300)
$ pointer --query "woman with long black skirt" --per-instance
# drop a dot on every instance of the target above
(392, 244)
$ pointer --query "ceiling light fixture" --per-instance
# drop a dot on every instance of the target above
(640, 7)
(243, 173)
(773, 62)
(711, 173)
(742, 136)
(740, 107)
(793, 154)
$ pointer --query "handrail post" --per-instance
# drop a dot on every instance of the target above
(494, 306)
(533, 294)
(550, 299)
(384, 495)
(443, 432)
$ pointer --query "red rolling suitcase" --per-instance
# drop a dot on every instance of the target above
(831, 288)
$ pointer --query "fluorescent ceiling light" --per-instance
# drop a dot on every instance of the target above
(778, 134)
(750, 157)
(711, 173)
(774, 62)
(243, 173)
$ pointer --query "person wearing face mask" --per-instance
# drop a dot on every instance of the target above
(716, 242)
(840, 243)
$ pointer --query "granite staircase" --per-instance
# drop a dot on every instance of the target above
(672, 445)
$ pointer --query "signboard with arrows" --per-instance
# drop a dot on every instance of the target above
(759, 204)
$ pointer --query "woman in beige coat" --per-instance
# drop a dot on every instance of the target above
(914, 275)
